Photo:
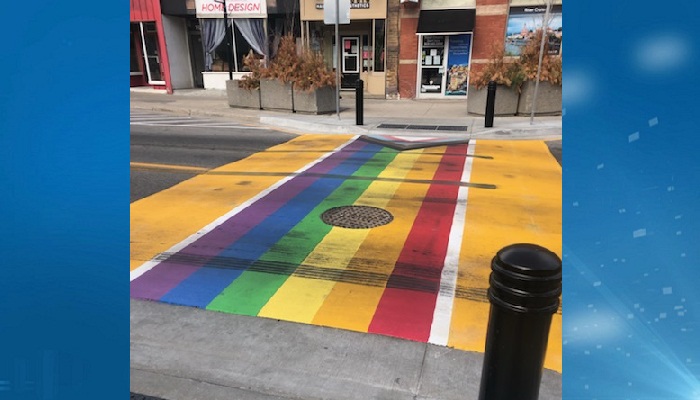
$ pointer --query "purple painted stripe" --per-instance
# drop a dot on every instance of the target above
(165, 276)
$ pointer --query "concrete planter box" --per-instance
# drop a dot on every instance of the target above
(506, 101)
(318, 101)
(242, 98)
(548, 99)
(275, 95)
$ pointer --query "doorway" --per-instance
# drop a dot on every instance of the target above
(350, 61)
(194, 37)
(151, 53)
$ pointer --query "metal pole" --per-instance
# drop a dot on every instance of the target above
(338, 53)
(525, 285)
(539, 65)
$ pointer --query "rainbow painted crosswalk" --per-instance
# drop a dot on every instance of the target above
(421, 277)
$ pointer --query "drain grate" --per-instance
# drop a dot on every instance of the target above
(356, 217)
(392, 126)
(423, 127)
(452, 128)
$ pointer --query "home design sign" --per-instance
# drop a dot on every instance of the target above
(234, 8)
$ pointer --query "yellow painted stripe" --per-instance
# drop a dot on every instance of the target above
(525, 207)
(156, 166)
(162, 220)
(352, 306)
(300, 298)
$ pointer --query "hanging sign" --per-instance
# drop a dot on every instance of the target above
(234, 8)
(354, 4)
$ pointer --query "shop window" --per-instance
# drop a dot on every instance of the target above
(240, 49)
(432, 64)
(524, 22)
(379, 44)
(366, 50)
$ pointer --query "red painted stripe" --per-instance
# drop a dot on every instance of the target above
(406, 307)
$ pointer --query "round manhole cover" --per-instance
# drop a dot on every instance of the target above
(356, 217)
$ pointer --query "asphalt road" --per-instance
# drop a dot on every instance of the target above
(162, 156)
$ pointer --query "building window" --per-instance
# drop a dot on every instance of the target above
(240, 48)
(524, 22)
(135, 53)
(379, 44)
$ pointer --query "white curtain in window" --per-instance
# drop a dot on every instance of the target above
(213, 33)
(253, 32)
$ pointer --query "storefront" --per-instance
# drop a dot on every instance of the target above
(361, 54)
(437, 38)
(247, 19)
(148, 60)
(444, 52)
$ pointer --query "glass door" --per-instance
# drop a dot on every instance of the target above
(432, 67)
(351, 55)
(151, 54)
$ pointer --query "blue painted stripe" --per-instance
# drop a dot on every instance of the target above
(200, 288)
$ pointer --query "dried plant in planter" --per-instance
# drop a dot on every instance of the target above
(312, 72)
(499, 70)
(551, 70)
(307, 71)
(252, 63)
(285, 64)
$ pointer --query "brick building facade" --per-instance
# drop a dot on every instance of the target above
(428, 39)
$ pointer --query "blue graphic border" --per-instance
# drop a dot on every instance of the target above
(64, 209)
(630, 206)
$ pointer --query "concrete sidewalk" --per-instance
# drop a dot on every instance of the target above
(444, 112)
(184, 353)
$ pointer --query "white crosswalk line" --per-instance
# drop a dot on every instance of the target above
(144, 118)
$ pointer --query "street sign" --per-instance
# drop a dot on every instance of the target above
(329, 14)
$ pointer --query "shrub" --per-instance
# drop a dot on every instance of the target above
(499, 70)
(551, 70)
(252, 63)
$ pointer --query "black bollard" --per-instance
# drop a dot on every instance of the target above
(359, 102)
(490, 104)
(525, 285)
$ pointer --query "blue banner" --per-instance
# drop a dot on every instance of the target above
(459, 47)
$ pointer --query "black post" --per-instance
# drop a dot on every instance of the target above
(229, 43)
(525, 285)
(359, 102)
(490, 104)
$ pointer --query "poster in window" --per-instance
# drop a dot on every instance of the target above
(523, 23)
(459, 47)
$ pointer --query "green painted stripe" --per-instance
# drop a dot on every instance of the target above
(253, 289)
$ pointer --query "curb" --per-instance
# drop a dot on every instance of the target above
(300, 127)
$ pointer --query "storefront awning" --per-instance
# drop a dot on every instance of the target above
(446, 21)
